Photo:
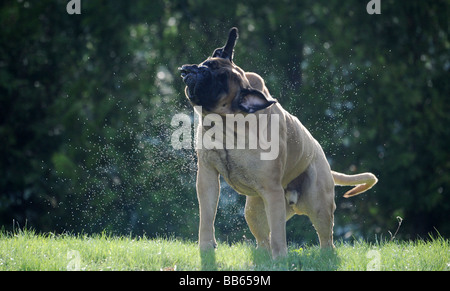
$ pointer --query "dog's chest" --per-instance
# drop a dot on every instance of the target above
(237, 168)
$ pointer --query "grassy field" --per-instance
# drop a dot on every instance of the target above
(26, 250)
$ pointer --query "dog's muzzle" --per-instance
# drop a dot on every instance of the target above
(195, 77)
(187, 70)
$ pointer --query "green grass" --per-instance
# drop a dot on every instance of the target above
(26, 250)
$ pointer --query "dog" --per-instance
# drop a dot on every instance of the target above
(298, 181)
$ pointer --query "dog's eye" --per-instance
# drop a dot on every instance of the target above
(210, 64)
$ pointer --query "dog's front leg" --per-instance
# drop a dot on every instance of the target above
(208, 189)
(275, 205)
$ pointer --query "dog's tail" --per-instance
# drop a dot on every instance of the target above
(363, 182)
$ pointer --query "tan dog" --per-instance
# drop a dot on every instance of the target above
(298, 181)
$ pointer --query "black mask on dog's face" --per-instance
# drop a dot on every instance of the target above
(204, 85)
(219, 86)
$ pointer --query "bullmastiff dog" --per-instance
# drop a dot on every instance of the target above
(297, 181)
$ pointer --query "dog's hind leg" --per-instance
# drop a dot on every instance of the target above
(317, 200)
(323, 221)
(322, 209)
(255, 215)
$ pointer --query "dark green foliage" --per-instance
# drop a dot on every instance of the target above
(86, 103)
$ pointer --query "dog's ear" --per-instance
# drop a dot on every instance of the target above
(227, 51)
(252, 100)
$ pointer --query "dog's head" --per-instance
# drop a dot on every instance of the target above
(219, 86)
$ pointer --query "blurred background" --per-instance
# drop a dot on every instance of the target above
(86, 103)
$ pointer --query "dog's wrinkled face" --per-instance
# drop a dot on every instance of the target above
(207, 83)
(219, 86)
